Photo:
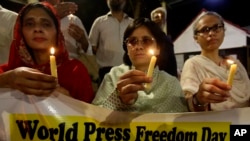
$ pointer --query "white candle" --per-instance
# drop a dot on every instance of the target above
(159, 15)
(53, 67)
(71, 18)
(233, 68)
(150, 69)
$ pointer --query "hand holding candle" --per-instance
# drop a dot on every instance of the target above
(53, 67)
(151, 69)
(233, 68)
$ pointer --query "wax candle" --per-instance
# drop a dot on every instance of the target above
(71, 18)
(233, 68)
(151, 69)
(159, 15)
(53, 67)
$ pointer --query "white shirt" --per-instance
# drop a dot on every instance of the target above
(8, 20)
(70, 42)
(107, 35)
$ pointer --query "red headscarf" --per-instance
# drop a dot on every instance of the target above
(72, 74)
(19, 54)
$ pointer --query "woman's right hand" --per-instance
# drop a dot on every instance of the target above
(30, 81)
(129, 83)
(65, 8)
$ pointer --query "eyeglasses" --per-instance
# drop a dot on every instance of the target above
(215, 28)
(144, 41)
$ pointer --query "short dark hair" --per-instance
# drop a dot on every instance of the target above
(153, 28)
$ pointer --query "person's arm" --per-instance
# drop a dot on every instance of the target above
(4, 80)
(65, 8)
(94, 35)
(200, 93)
(85, 36)
(29, 81)
(193, 104)
(78, 34)
(211, 90)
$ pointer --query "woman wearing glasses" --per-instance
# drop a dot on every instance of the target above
(123, 87)
(204, 77)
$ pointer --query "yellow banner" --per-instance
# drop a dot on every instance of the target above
(60, 118)
(27, 127)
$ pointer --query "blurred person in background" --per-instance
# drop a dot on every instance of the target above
(76, 37)
(106, 36)
(159, 16)
(8, 19)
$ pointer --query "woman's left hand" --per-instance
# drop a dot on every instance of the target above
(78, 34)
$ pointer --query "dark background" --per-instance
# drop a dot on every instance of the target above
(180, 12)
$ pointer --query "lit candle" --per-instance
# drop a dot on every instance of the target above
(151, 68)
(232, 71)
(71, 18)
(53, 67)
(159, 15)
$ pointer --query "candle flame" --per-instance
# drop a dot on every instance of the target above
(71, 17)
(151, 51)
(230, 62)
(52, 51)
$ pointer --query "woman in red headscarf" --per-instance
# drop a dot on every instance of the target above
(37, 29)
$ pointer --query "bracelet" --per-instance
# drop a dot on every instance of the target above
(197, 103)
